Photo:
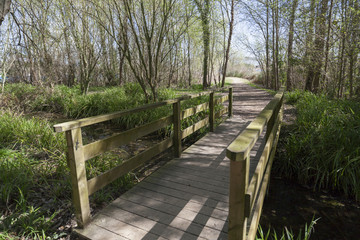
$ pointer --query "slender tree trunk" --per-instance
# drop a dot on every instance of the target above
(290, 46)
(231, 26)
(327, 45)
(267, 68)
(309, 48)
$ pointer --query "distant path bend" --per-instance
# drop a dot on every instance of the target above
(188, 197)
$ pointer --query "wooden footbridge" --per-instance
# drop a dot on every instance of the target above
(213, 190)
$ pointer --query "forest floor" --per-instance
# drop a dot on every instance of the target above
(292, 205)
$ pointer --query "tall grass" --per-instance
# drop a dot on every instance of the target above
(31, 158)
(287, 234)
(323, 149)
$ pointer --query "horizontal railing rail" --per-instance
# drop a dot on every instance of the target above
(78, 153)
(246, 198)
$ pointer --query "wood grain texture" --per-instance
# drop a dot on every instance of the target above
(193, 128)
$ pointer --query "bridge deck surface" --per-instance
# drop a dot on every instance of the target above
(188, 197)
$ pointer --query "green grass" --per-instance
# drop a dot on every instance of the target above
(323, 148)
(287, 234)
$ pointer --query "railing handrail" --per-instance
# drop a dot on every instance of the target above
(244, 197)
(78, 153)
(62, 127)
(242, 145)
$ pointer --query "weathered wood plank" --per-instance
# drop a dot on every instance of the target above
(121, 228)
(191, 183)
(189, 189)
(230, 107)
(61, 127)
(239, 178)
(78, 176)
(212, 112)
(196, 217)
(220, 179)
(95, 232)
(147, 224)
(186, 132)
(221, 112)
(185, 195)
(104, 179)
(159, 215)
(194, 110)
(186, 204)
(177, 129)
(256, 180)
(93, 149)
(221, 99)
(175, 172)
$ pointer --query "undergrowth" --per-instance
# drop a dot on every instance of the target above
(322, 149)
(287, 234)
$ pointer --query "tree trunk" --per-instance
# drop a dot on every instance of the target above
(290, 47)
(231, 26)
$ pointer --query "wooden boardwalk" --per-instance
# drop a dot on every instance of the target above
(188, 197)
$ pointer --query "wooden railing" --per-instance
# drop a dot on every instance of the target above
(78, 153)
(246, 198)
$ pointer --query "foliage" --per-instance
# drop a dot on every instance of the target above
(291, 97)
(287, 234)
(323, 149)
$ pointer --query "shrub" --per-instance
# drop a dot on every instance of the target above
(323, 148)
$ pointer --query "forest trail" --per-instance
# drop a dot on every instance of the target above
(188, 197)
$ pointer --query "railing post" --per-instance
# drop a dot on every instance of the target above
(212, 112)
(177, 128)
(76, 163)
(239, 179)
(230, 102)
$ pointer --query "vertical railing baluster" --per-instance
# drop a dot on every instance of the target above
(76, 163)
(177, 128)
(230, 102)
(212, 111)
(239, 179)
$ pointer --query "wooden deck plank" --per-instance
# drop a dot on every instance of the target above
(186, 196)
(181, 212)
(189, 189)
(162, 214)
(191, 183)
(185, 199)
(194, 176)
(93, 231)
(189, 205)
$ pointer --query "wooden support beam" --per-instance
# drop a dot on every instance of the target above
(212, 112)
(230, 102)
(177, 128)
(78, 176)
(239, 177)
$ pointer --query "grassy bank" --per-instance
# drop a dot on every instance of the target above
(322, 148)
